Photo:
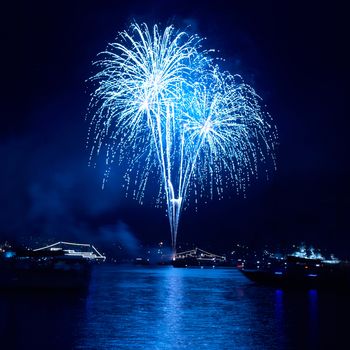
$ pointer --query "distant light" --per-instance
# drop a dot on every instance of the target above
(9, 254)
(278, 273)
(312, 275)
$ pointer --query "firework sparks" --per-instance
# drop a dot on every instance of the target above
(164, 108)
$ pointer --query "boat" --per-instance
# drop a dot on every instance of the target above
(299, 271)
(198, 258)
(59, 265)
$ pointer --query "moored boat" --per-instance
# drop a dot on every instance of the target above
(59, 265)
(198, 258)
(300, 271)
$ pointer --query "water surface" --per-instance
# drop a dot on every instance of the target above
(169, 308)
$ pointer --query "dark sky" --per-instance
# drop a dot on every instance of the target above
(292, 53)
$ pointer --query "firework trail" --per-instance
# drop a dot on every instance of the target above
(164, 108)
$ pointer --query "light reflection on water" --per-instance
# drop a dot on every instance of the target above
(168, 308)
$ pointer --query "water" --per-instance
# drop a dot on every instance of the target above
(167, 308)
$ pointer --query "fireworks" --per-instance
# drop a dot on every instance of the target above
(163, 107)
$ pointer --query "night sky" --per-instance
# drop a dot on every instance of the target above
(292, 54)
